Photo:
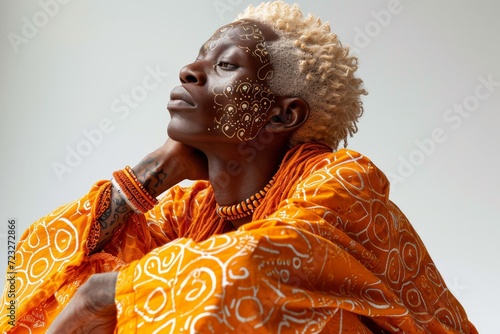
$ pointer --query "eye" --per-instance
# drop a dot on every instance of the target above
(226, 66)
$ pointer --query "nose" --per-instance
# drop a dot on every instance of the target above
(193, 73)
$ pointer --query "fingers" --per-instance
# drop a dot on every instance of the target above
(99, 292)
(68, 321)
(91, 310)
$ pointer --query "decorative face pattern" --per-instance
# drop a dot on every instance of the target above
(242, 104)
(241, 108)
(224, 96)
(246, 33)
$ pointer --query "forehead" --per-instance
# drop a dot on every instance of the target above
(242, 32)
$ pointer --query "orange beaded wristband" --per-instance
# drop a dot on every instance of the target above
(131, 176)
(132, 191)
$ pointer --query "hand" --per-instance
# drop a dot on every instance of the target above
(91, 310)
(160, 170)
(170, 164)
(193, 163)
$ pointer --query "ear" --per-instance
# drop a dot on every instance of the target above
(289, 114)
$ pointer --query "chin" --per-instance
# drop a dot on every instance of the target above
(183, 134)
(171, 133)
(193, 135)
(177, 129)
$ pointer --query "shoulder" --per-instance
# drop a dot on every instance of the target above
(346, 158)
(348, 171)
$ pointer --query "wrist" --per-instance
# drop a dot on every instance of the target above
(158, 173)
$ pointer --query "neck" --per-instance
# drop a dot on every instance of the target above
(237, 174)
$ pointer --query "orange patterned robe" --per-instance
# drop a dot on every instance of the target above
(337, 256)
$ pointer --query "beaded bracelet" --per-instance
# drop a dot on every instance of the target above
(103, 201)
(131, 176)
(132, 191)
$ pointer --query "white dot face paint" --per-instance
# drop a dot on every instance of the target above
(241, 108)
(242, 104)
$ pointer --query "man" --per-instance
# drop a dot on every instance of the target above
(278, 233)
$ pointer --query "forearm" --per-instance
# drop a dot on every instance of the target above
(157, 172)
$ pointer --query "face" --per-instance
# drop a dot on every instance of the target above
(224, 95)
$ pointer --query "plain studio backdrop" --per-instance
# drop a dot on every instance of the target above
(84, 85)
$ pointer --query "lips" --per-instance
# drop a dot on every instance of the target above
(180, 96)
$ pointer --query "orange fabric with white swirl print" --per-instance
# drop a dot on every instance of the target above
(335, 256)
(51, 263)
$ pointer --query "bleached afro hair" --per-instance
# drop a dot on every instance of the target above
(310, 62)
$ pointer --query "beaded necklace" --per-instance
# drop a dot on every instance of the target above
(245, 207)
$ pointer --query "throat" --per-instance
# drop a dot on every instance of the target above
(240, 184)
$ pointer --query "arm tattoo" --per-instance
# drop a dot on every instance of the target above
(150, 174)
(154, 179)
(113, 218)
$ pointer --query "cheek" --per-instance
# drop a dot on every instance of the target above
(241, 109)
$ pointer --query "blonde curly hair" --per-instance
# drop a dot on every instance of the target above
(310, 62)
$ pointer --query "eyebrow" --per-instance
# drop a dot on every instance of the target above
(222, 46)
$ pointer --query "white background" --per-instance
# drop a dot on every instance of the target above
(417, 62)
